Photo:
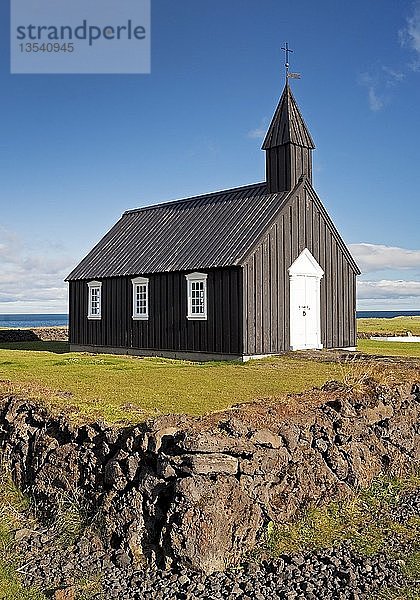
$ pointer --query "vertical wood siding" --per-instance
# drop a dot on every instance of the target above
(300, 225)
(284, 166)
(167, 327)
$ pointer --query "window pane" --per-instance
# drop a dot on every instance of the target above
(95, 301)
(197, 297)
(140, 299)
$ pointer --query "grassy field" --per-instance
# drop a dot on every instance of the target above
(119, 388)
(409, 349)
(395, 326)
(129, 389)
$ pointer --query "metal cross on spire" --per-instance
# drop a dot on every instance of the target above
(287, 51)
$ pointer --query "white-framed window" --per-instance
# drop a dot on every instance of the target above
(197, 296)
(94, 300)
(140, 298)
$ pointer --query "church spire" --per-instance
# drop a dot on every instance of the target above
(288, 146)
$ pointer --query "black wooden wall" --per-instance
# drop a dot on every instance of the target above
(248, 306)
(302, 223)
(167, 327)
(285, 165)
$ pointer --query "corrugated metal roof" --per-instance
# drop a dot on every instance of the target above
(288, 125)
(214, 230)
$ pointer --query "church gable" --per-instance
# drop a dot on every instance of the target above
(302, 223)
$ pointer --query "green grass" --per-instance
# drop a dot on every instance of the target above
(366, 520)
(120, 388)
(409, 349)
(129, 389)
(68, 526)
(14, 507)
(395, 326)
(12, 589)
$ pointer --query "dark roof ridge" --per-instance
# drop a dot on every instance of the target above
(198, 197)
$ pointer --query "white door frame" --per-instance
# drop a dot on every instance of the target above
(305, 266)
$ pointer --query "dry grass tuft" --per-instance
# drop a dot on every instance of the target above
(14, 514)
(67, 527)
(357, 372)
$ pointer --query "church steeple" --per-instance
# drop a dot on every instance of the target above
(288, 146)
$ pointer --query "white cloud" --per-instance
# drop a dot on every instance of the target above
(371, 83)
(378, 257)
(400, 289)
(382, 78)
(393, 76)
(410, 35)
(375, 102)
(388, 289)
(259, 132)
(32, 280)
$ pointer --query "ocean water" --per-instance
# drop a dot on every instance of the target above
(19, 321)
(386, 314)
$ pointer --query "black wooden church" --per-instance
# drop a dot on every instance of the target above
(245, 272)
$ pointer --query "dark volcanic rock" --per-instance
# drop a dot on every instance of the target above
(330, 574)
(44, 334)
(206, 515)
(196, 492)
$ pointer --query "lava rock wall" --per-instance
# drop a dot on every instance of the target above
(198, 492)
(44, 334)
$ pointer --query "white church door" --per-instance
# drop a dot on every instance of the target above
(305, 302)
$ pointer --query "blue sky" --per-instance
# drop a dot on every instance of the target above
(78, 150)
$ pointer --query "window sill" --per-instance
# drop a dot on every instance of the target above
(137, 318)
(94, 318)
(197, 318)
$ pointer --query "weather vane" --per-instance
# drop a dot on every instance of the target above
(287, 51)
